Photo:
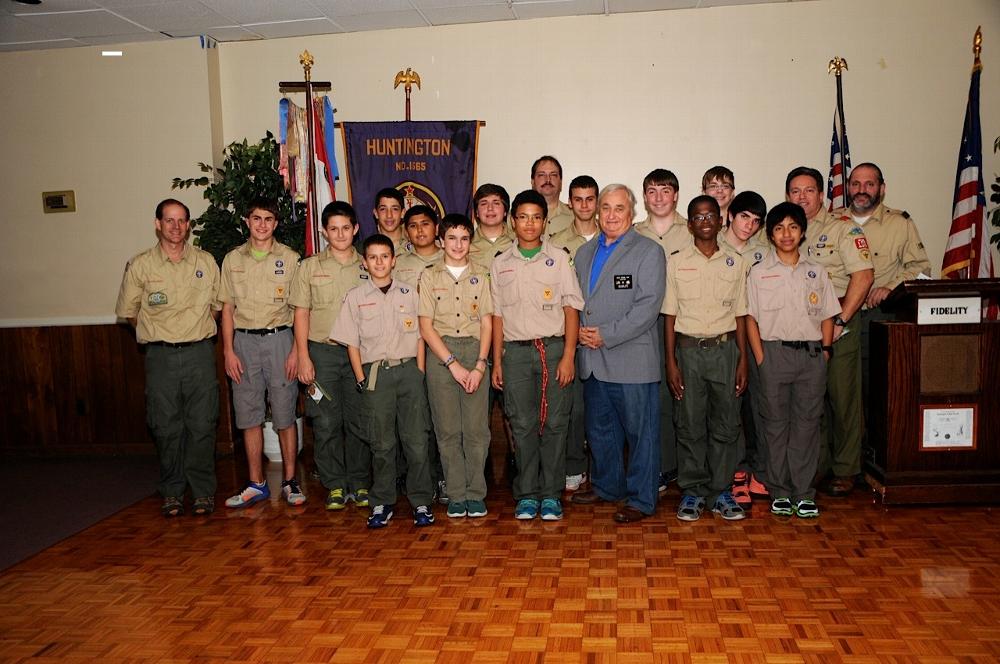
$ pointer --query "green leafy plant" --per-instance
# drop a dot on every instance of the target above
(249, 171)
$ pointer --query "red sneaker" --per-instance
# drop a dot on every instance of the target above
(756, 488)
(741, 494)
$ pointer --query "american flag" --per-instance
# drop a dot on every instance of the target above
(967, 254)
(840, 159)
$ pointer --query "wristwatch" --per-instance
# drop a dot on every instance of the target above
(839, 322)
(828, 349)
(360, 385)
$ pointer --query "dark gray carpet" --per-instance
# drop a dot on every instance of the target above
(44, 500)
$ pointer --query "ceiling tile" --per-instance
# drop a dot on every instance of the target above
(338, 8)
(228, 33)
(477, 14)
(81, 24)
(13, 29)
(263, 11)
(544, 9)
(181, 16)
(618, 6)
(125, 39)
(319, 26)
(53, 6)
(438, 4)
(382, 21)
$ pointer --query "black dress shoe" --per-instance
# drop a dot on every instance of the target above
(628, 514)
(839, 486)
(586, 498)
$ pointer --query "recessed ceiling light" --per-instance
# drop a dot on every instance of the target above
(29, 2)
(111, 54)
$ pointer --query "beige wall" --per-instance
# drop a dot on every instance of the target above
(611, 96)
(115, 130)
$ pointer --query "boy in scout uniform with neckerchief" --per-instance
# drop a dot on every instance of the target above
(378, 324)
(259, 349)
(168, 295)
(705, 308)
(536, 320)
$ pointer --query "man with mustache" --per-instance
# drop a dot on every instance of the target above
(897, 253)
(546, 179)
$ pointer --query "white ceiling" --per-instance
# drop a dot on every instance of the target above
(64, 23)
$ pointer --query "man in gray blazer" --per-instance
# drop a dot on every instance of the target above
(623, 276)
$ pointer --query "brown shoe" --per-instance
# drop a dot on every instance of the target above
(628, 514)
(586, 498)
(839, 486)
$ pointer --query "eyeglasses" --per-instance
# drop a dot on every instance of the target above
(537, 218)
(698, 218)
(719, 187)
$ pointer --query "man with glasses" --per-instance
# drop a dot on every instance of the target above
(720, 183)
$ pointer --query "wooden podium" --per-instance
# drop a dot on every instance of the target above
(934, 434)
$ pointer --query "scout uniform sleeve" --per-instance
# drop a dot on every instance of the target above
(226, 282)
(216, 278)
(914, 257)
(831, 305)
(486, 301)
(854, 250)
(753, 304)
(130, 292)
(493, 291)
(670, 298)
(740, 306)
(572, 295)
(426, 293)
(346, 329)
(300, 292)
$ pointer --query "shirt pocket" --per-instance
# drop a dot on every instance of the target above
(241, 285)
(279, 279)
(200, 289)
(370, 322)
(689, 285)
(727, 286)
(406, 318)
(769, 294)
(548, 292)
(506, 292)
(321, 290)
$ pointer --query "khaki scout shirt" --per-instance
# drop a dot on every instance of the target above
(558, 219)
(455, 306)
(170, 301)
(570, 239)
(383, 326)
(676, 237)
(484, 251)
(788, 302)
(258, 289)
(836, 243)
(530, 294)
(897, 252)
(705, 294)
(410, 265)
(755, 250)
(320, 284)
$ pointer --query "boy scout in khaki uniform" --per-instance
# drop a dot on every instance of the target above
(705, 335)
(343, 460)
(791, 305)
(378, 324)
(536, 300)
(583, 192)
(388, 213)
(168, 295)
(493, 237)
(420, 223)
(840, 247)
(259, 351)
(456, 322)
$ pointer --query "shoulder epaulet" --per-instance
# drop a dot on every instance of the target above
(497, 253)
(566, 249)
(905, 214)
(675, 251)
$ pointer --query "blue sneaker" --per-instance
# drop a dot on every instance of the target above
(476, 508)
(690, 508)
(422, 516)
(456, 509)
(526, 509)
(379, 517)
(727, 507)
(551, 510)
(254, 493)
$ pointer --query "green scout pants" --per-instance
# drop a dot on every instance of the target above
(460, 422)
(577, 457)
(396, 413)
(752, 444)
(708, 420)
(841, 426)
(668, 434)
(793, 381)
(540, 451)
(343, 460)
(182, 410)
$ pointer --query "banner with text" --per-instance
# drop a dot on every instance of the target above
(431, 163)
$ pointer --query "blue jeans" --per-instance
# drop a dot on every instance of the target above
(620, 413)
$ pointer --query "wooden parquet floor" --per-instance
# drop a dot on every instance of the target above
(281, 584)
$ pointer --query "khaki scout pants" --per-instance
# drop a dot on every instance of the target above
(841, 425)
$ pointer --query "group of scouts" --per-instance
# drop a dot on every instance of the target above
(726, 350)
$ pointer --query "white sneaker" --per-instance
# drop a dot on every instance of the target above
(573, 482)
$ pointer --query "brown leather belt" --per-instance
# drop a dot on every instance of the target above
(684, 341)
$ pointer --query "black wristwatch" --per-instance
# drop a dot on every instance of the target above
(828, 349)
(360, 385)
(839, 322)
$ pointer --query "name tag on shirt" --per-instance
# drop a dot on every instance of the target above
(623, 281)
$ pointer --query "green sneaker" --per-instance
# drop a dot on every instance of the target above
(806, 509)
(335, 500)
(361, 497)
(782, 507)
(456, 509)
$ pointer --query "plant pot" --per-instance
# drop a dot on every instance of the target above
(272, 448)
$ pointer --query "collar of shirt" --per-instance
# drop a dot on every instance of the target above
(602, 255)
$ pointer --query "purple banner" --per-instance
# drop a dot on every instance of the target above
(432, 163)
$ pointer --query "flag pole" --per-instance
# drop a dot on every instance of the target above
(837, 186)
(306, 60)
